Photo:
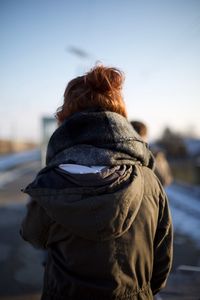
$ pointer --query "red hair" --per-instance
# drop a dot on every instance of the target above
(100, 87)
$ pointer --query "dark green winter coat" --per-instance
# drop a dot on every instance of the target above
(108, 235)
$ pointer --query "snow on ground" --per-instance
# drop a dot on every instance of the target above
(192, 145)
(9, 176)
(185, 209)
(12, 160)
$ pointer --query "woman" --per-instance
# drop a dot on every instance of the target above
(97, 206)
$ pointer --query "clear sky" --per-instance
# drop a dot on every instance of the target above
(155, 43)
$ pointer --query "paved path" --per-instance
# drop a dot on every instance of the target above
(21, 270)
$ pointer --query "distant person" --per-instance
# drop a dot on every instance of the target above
(97, 207)
(162, 168)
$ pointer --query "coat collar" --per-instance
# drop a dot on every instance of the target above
(97, 138)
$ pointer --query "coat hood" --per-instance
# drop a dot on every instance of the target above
(99, 213)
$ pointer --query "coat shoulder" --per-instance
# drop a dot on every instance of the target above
(152, 185)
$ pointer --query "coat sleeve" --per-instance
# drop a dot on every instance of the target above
(163, 246)
(36, 225)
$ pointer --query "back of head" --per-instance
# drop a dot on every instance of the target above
(140, 128)
(100, 88)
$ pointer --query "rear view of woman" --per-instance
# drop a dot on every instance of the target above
(97, 206)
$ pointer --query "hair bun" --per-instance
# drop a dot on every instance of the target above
(103, 79)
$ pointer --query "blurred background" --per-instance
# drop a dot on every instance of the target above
(46, 43)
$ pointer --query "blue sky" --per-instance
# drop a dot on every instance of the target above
(155, 43)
